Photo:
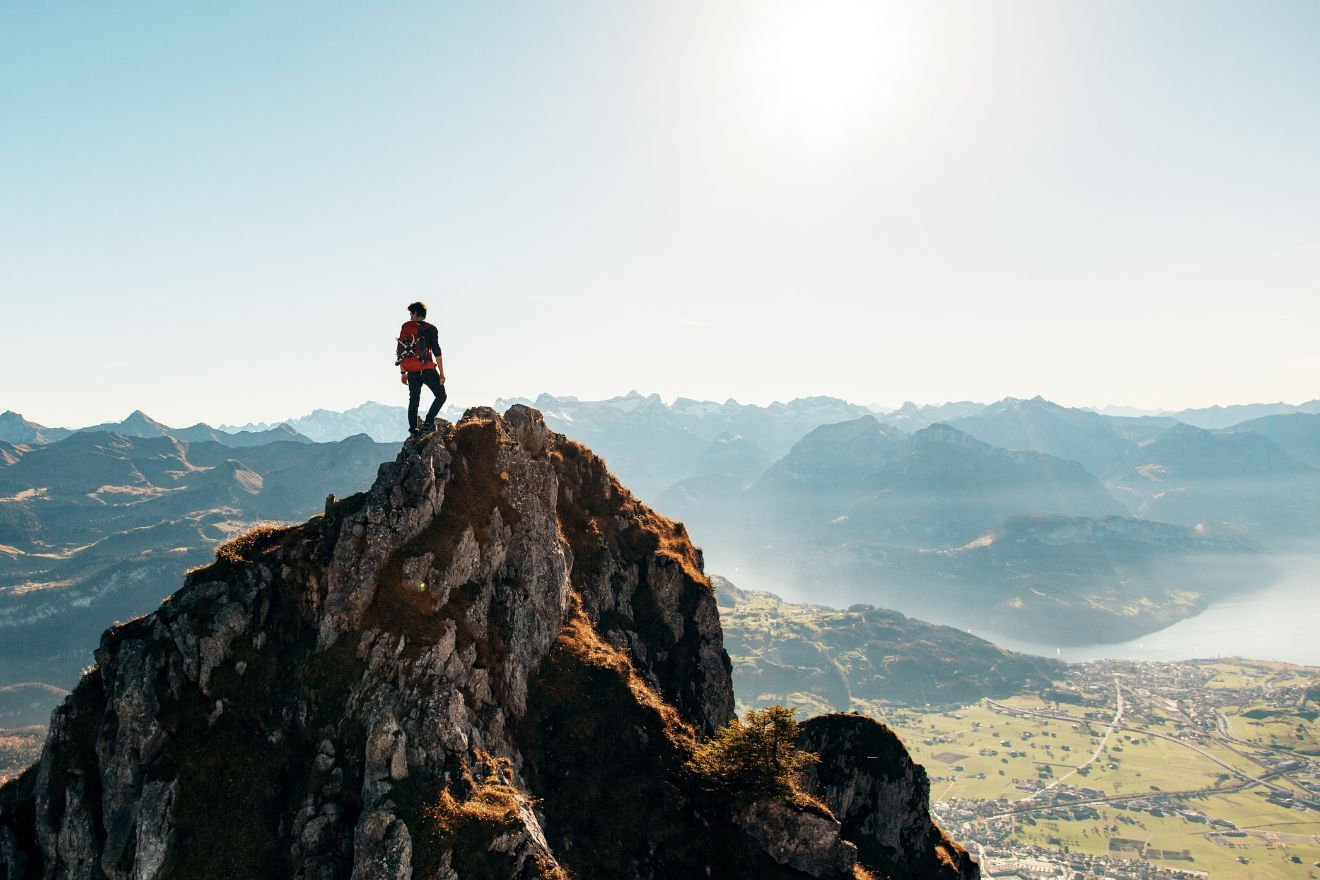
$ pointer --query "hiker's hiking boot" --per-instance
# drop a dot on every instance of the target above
(422, 429)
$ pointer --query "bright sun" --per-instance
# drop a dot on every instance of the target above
(827, 72)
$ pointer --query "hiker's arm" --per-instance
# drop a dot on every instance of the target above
(439, 355)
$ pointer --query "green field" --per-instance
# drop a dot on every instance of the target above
(1219, 856)
(1168, 741)
(1285, 728)
(1130, 763)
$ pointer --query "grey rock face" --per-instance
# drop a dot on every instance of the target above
(805, 840)
(390, 642)
(867, 778)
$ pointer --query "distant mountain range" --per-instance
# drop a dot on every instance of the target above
(1217, 417)
(1238, 480)
(381, 422)
(651, 445)
(938, 487)
(944, 526)
(1080, 435)
(16, 430)
(1041, 518)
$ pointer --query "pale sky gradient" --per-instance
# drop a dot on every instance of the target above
(217, 211)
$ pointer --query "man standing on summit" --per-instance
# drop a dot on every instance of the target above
(420, 363)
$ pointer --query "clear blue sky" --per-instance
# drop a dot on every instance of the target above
(218, 210)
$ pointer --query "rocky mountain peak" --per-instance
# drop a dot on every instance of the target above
(494, 663)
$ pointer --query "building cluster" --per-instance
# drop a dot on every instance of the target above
(1169, 701)
(1038, 863)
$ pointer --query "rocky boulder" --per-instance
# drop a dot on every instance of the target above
(866, 777)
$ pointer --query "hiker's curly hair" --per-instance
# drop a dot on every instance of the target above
(418, 308)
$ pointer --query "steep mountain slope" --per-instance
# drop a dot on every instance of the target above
(16, 429)
(1297, 434)
(493, 664)
(11, 452)
(944, 488)
(820, 477)
(937, 487)
(1237, 480)
(732, 455)
(1075, 434)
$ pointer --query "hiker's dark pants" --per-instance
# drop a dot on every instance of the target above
(431, 379)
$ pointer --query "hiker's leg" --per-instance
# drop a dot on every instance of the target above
(414, 398)
(432, 380)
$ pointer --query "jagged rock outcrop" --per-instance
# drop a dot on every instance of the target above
(867, 778)
(495, 663)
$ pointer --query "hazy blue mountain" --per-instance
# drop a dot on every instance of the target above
(1187, 452)
(1140, 429)
(911, 417)
(1238, 480)
(99, 526)
(241, 439)
(382, 422)
(706, 502)
(1216, 417)
(1076, 434)
(935, 488)
(945, 488)
(651, 445)
(944, 526)
(1129, 412)
(17, 430)
(139, 424)
(1297, 434)
(820, 478)
(812, 483)
(732, 455)
(773, 428)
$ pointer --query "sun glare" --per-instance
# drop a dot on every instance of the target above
(829, 72)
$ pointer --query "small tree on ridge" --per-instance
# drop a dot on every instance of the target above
(755, 757)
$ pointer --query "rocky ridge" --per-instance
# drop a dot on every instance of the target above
(495, 663)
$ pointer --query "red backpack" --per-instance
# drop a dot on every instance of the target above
(411, 351)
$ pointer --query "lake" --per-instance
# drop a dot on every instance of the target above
(1281, 622)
